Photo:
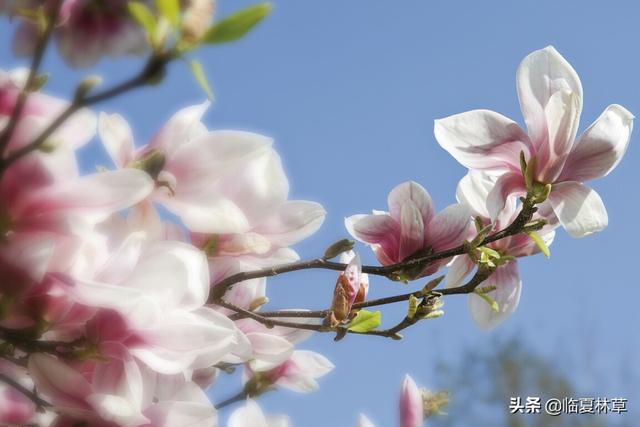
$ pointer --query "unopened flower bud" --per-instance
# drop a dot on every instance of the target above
(337, 248)
(197, 18)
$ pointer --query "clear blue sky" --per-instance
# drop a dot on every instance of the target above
(350, 91)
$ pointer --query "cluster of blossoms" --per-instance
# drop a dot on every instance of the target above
(105, 305)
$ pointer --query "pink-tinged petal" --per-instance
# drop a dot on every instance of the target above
(353, 273)
(123, 260)
(95, 196)
(182, 128)
(410, 192)
(117, 138)
(601, 146)
(459, 268)
(300, 372)
(579, 208)
(295, 221)
(562, 116)
(449, 228)
(15, 407)
(376, 229)
(249, 415)
(522, 245)
(540, 75)
(411, 406)
(508, 285)
(482, 139)
(57, 381)
(363, 421)
(411, 230)
(500, 197)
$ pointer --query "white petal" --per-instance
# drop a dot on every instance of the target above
(601, 146)
(459, 268)
(117, 138)
(508, 285)
(579, 208)
(483, 139)
(295, 220)
(249, 415)
(540, 75)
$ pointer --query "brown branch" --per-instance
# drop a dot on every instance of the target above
(516, 227)
(151, 71)
(39, 402)
(36, 60)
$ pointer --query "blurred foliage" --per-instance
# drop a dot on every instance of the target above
(482, 380)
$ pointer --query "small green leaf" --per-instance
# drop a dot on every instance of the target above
(235, 26)
(170, 9)
(413, 307)
(540, 243)
(365, 321)
(201, 78)
(492, 303)
(143, 16)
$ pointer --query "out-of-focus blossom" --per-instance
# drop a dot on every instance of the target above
(152, 302)
(86, 31)
(411, 405)
(119, 392)
(550, 94)
(472, 191)
(363, 421)
(299, 373)
(250, 415)
(411, 228)
(228, 187)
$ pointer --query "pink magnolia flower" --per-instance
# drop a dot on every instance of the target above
(228, 188)
(119, 392)
(151, 300)
(550, 96)
(86, 31)
(411, 406)
(300, 372)
(250, 415)
(473, 191)
(411, 228)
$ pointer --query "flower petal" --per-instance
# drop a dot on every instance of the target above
(295, 221)
(411, 230)
(483, 139)
(579, 208)
(459, 268)
(449, 228)
(601, 146)
(410, 192)
(508, 285)
(508, 185)
(540, 75)
(117, 138)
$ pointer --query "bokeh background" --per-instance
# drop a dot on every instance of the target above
(350, 90)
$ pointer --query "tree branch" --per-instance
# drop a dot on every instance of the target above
(36, 60)
(516, 227)
(39, 402)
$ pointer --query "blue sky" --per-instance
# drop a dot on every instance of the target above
(350, 90)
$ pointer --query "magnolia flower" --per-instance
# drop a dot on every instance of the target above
(227, 187)
(411, 405)
(151, 300)
(411, 228)
(550, 96)
(473, 191)
(250, 415)
(119, 392)
(86, 31)
(299, 373)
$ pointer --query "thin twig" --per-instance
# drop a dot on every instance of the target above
(39, 402)
(516, 227)
(36, 60)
